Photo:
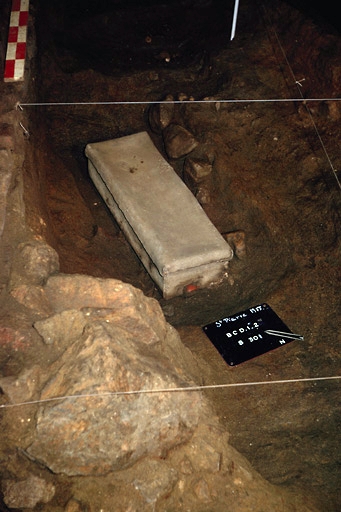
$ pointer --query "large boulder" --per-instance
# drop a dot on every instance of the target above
(113, 373)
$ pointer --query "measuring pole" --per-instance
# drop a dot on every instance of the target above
(234, 20)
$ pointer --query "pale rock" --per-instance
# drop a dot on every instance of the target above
(203, 194)
(182, 96)
(204, 457)
(202, 491)
(110, 300)
(74, 505)
(22, 388)
(25, 494)
(197, 176)
(34, 261)
(130, 319)
(153, 479)
(66, 325)
(196, 170)
(236, 239)
(33, 298)
(178, 141)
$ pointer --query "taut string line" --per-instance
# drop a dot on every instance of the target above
(79, 103)
(169, 390)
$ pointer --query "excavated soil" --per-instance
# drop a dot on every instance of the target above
(272, 180)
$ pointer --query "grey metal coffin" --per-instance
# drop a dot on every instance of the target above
(164, 223)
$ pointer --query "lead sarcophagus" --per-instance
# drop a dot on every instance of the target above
(164, 223)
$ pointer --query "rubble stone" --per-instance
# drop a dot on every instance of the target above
(236, 239)
(196, 170)
(204, 457)
(74, 505)
(203, 194)
(22, 388)
(33, 263)
(202, 491)
(154, 479)
(178, 141)
(160, 115)
(61, 327)
(79, 292)
(27, 493)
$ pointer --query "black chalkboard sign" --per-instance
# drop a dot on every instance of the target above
(248, 334)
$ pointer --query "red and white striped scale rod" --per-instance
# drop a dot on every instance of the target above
(16, 42)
